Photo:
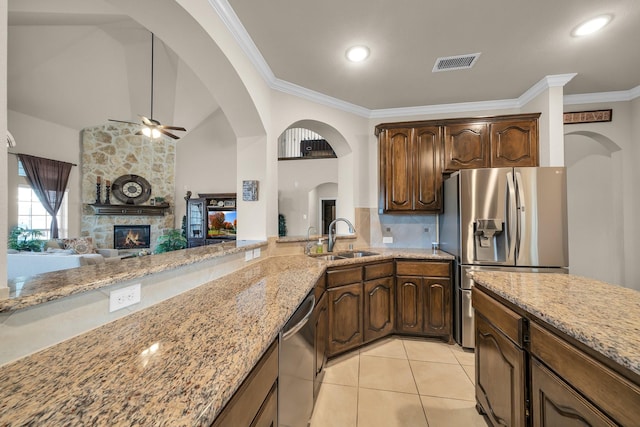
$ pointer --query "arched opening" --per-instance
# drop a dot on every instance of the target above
(595, 211)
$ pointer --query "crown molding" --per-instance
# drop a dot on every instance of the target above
(598, 97)
(240, 34)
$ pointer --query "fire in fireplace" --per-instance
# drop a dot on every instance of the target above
(131, 236)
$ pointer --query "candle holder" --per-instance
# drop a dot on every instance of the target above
(98, 193)
(107, 187)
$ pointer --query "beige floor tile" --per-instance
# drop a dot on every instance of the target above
(442, 380)
(337, 405)
(384, 373)
(386, 348)
(343, 370)
(465, 357)
(471, 372)
(429, 351)
(451, 413)
(378, 408)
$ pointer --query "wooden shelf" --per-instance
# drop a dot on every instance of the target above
(140, 210)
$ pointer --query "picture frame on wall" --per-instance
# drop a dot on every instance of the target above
(249, 191)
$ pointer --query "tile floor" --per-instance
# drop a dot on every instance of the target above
(399, 382)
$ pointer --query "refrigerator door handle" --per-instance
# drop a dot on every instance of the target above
(521, 210)
(511, 215)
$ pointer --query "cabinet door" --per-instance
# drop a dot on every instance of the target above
(397, 169)
(409, 304)
(557, 404)
(268, 415)
(514, 143)
(379, 308)
(466, 146)
(500, 376)
(427, 177)
(196, 222)
(321, 319)
(345, 318)
(437, 307)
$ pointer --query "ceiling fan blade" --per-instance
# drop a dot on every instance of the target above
(138, 133)
(172, 127)
(146, 121)
(122, 121)
(169, 134)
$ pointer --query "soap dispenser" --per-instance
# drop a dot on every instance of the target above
(319, 246)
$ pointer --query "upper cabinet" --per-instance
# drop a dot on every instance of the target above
(410, 169)
(414, 155)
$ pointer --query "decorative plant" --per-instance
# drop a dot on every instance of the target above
(23, 239)
(171, 240)
(282, 225)
(184, 226)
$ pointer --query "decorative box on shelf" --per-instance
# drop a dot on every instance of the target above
(149, 210)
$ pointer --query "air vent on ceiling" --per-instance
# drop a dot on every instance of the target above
(458, 62)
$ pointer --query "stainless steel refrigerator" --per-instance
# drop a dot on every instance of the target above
(508, 219)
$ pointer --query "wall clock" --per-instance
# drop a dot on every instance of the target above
(131, 189)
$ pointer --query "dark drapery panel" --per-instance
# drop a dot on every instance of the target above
(48, 178)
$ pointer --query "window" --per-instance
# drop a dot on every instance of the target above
(32, 215)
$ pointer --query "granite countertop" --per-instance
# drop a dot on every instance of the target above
(602, 316)
(28, 291)
(175, 363)
(387, 254)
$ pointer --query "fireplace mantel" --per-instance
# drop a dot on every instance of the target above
(146, 210)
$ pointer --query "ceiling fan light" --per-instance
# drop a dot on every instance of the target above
(357, 53)
(146, 131)
(155, 133)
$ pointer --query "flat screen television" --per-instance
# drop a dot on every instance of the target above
(222, 224)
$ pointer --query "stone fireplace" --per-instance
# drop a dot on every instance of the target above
(112, 150)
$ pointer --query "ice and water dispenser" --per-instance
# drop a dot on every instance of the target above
(490, 241)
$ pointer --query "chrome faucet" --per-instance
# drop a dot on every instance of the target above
(332, 228)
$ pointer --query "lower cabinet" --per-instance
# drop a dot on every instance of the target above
(321, 320)
(345, 318)
(423, 298)
(256, 401)
(527, 375)
(555, 403)
(379, 308)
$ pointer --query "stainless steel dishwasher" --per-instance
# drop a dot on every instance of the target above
(295, 377)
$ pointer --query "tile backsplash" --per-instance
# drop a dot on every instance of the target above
(407, 231)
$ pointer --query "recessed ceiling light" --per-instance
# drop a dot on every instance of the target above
(357, 53)
(591, 26)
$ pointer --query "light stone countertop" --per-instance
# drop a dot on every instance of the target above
(28, 291)
(175, 363)
(602, 316)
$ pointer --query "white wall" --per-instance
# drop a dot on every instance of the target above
(296, 178)
(4, 290)
(602, 173)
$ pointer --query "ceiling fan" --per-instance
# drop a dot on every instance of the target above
(150, 127)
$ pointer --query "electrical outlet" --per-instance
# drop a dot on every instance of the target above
(124, 297)
(248, 255)
(387, 240)
(256, 253)
(426, 229)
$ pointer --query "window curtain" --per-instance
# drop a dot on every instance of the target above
(49, 179)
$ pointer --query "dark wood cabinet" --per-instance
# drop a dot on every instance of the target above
(196, 222)
(555, 403)
(211, 219)
(466, 146)
(379, 308)
(410, 169)
(500, 375)
(255, 404)
(514, 143)
(321, 322)
(414, 155)
(345, 318)
(423, 298)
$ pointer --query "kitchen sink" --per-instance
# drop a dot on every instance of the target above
(331, 257)
(356, 254)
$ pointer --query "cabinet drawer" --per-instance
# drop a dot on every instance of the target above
(424, 268)
(247, 401)
(375, 271)
(344, 276)
(610, 391)
(507, 321)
